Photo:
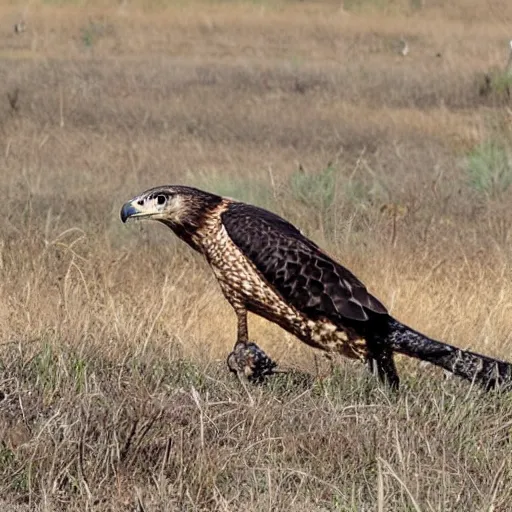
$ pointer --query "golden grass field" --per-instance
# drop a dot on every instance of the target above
(114, 394)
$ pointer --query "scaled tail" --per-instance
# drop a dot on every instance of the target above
(485, 371)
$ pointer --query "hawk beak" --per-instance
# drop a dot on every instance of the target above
(130, 209)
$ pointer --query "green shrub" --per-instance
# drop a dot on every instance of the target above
(501, 82)
(321, 190)
(239, 188)
(326, 194)
(316, 190)
(489, 168)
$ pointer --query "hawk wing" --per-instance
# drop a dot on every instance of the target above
(296, 267)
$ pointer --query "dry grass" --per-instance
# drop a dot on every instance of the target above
(114, 393)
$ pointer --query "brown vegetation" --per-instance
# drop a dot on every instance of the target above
(114, 391)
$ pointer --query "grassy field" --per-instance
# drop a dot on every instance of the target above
(114, 394)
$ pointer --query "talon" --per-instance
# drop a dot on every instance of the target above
(250, 360)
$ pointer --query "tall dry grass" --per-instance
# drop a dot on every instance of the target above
(114, 393)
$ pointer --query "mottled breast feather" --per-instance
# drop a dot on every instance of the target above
(300, 272)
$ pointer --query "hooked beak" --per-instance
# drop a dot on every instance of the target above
(132, 209)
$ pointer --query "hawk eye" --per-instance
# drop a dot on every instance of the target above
(161, 199)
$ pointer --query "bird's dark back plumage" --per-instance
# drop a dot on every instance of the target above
(297, 268)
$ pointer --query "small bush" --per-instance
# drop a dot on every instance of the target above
(316, 190)
(241, 189)
(502, 82)
(489, 168)
(93, 31)
(329, 192)
(396, 6)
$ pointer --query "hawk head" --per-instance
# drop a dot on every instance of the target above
(174, 205)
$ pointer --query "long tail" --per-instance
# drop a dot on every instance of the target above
(486, 371)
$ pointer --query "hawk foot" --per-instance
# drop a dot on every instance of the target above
(249, 360)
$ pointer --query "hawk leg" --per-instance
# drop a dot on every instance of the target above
(247, 359)
(380, 361)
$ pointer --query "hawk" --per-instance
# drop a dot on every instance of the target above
(267, 267)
